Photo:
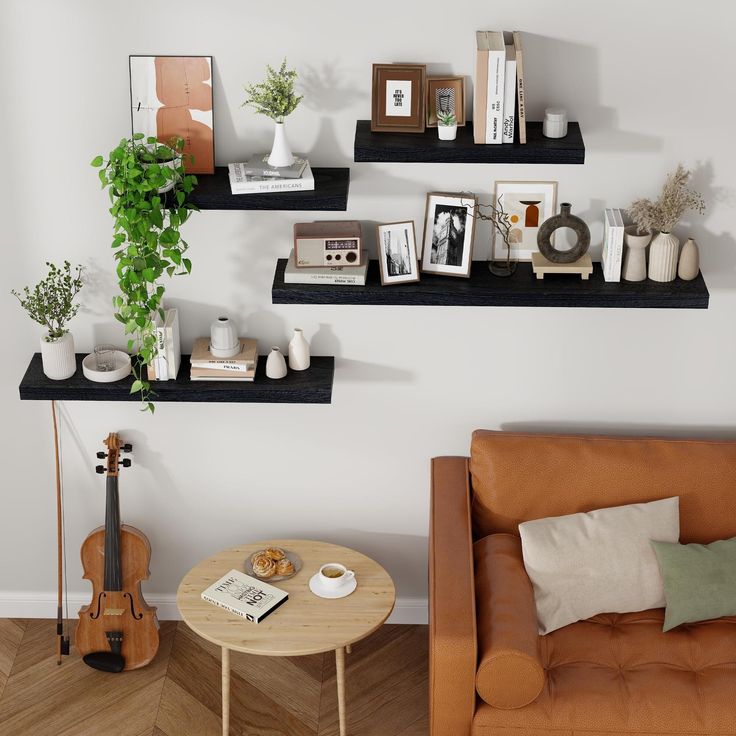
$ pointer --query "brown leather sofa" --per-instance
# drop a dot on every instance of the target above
(613, 674)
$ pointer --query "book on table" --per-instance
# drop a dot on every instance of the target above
(242, 183)
(245, 596)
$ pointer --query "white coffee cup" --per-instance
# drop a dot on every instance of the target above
(334, 575)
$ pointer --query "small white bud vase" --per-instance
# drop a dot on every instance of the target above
(635, 258)
(447, 132)
(57, 357)
(663, 257)
(281, 154)
(275, 364)
(689, 266)
(298, 352)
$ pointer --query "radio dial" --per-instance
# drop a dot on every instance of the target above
(329, 257)
(338, 257)
(350, 257)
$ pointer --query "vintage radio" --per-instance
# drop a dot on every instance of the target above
(320, 244)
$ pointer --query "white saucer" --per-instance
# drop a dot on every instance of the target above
(121, 370)
(319, 590)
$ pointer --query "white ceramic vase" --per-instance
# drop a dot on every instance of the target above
(689, 265)
(663, 255)
(447, 132)
(281, 154)
(298, 352)
(224, 341)
(57, 357)
(275, 364)
(635, 258)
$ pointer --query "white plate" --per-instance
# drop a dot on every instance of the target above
(122, 368)
(319, 590)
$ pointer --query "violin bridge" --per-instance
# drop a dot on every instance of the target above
(113, 612)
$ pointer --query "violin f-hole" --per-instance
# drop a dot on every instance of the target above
(136, 616)
(97, 613)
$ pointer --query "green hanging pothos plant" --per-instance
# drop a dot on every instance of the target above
(146, 241)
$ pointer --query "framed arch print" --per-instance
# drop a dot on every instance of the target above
(398, 102)
(528, 204)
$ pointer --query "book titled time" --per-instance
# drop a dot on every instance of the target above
(245, 596)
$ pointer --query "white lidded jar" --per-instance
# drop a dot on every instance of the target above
(298, 351)
(555, 122)
(224, 342)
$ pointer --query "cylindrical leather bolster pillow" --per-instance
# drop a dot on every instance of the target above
(510, 673)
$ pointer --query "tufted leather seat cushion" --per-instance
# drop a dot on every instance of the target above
(620, 674)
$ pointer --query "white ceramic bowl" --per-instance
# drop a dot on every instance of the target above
(122, 368)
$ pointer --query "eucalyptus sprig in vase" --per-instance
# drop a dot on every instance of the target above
(276, 98)
(147, 241)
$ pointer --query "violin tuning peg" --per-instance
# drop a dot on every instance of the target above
(127, 447)
(101, 455)
(125, 462)
(100, 469)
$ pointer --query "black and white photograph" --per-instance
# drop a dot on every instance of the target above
(448, 234)
(397, 253)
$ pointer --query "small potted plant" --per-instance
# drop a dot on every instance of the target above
(275, 98)
(446, 126)
(51, 304)
(662, 215)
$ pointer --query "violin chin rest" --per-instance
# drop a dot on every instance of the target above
(105, 661)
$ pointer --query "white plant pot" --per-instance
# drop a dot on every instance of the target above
(635, 258)
(173, 165)
(275, 364)
(447, 132)
(281, 154)
(663, 257)
(689, 265)
(57, 357)
(298, 352)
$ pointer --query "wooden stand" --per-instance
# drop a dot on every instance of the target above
(541, 266)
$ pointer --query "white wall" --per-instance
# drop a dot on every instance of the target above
(651, 83)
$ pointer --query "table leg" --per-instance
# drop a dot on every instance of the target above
(340, 667)
(348, 649)
(225, 691)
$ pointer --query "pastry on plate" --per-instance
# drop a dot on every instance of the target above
(285, 567)
(275, 553)
(263, 567)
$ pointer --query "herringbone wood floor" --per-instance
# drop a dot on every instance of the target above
(178, 694)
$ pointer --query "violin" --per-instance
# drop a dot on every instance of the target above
(118, 630)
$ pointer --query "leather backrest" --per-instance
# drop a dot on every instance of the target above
(518, 477)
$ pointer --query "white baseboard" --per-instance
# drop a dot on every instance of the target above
(43, 605)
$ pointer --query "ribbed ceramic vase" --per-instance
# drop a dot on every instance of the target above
(298, 352)
(663, 255)
(281, 154)
(689, 265)
(635, 258)
(275, 364)
(57, 357)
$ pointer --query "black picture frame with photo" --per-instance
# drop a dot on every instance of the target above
(449, 231)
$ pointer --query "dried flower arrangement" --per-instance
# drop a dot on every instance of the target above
(501, 222)
(664, 213)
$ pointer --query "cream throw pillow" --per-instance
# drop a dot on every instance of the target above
(598, 562)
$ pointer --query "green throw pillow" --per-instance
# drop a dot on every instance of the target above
(699, 580)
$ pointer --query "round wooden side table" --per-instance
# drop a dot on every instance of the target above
(305, 624)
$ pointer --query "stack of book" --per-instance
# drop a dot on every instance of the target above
(256, 176)
(345, 275)
(240, 367)
(613, 244)
(499, 105)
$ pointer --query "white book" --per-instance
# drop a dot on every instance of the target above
(613, 242)
(496, 86)
(232, 367)
(509, 95)
(161, 366)
(245, 596)
(172, 343)
(347, 276)
(241, 183)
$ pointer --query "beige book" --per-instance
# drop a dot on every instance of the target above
(480, 89)
(201, 352)
(520, 89)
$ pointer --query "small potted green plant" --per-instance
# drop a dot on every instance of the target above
(51, 303)
(147, 241)
(446, 126)
(275, 98)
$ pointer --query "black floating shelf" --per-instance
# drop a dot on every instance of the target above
(482, 289)
(427, 148)
(330, 193)
(313, 386)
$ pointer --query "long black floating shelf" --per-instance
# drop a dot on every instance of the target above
(427, 148)
(330, 193)
(483, 289)
(312, 386)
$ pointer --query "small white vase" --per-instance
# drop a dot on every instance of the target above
(275, 364)
(663, 257)
(689, 265)
(224, 342)
(635, 258)
(447, 132)
(57, 357)
(281, 154)
(298, 352)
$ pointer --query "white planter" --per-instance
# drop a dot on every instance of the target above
(635, 258)
(58, 358)
(663, 257)
(275, 364)
(298, 352)
(173, 165)
(281, 154)
(689, 265)
(447, 132)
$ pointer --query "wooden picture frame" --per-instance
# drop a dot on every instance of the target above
(449, 232)
(398, 98)
(454, 83)
(397, 252)
(520, 200)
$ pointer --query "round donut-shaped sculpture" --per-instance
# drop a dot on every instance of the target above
(564, 219)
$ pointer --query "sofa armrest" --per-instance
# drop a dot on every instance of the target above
(452, 632)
